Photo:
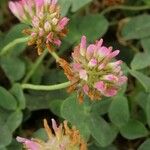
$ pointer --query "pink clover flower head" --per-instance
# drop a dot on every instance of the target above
(63, 138)
(94, 71)
(44, 19)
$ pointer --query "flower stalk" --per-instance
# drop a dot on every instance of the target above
(35, 66)
(123, 7)
(9, 46)
(55, 56)
(46, 87)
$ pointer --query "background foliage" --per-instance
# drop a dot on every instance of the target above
(118, 123)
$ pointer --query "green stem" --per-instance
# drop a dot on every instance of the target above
(135, 49)
(35, 66)
(123, 7)
(46, 87)
(12, 44)
(54, 54)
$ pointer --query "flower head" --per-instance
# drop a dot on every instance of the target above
(93, 72)
(63, 138)
(47, 25)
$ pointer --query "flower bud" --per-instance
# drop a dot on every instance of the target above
(54, 21)
(47, 26)
(62, 23)
(83, 46)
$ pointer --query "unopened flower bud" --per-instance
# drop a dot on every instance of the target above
(62, 23)
(47, 26)
(35, 22)
(83, 46)
(54, 21)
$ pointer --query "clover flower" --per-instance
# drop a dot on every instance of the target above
(93, 72)
(63, 138)
(47, 25)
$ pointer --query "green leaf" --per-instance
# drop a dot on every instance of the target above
(77, 114)
(76, 5)
(87, 120)
(95, 147)
(143, 79)
(145, 145)
(40, 134)
(64, 5)
(148, 110)
(14, 145)
(142, 99)
(3, 148)
(14, 120)
(119, 111)
(13, 67)
(93, 26)
(5, 134)
(15, 32)
(4, 114)
(146, 2)
(140, 61)
(17, 91)
(36, 102)
(137, 27)
(73, 34)
(146, 44)
(133, 130)
(53, 76)
(55, 107)
(1, 40)
(101, 107)
(102, 131)
(1, 18)
(98, 23)
(38, 74)
(7, 101)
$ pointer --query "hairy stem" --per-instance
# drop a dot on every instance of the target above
(35, 66)
(12, 44)
(46, 87)
(123, 7)
(55, 55)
